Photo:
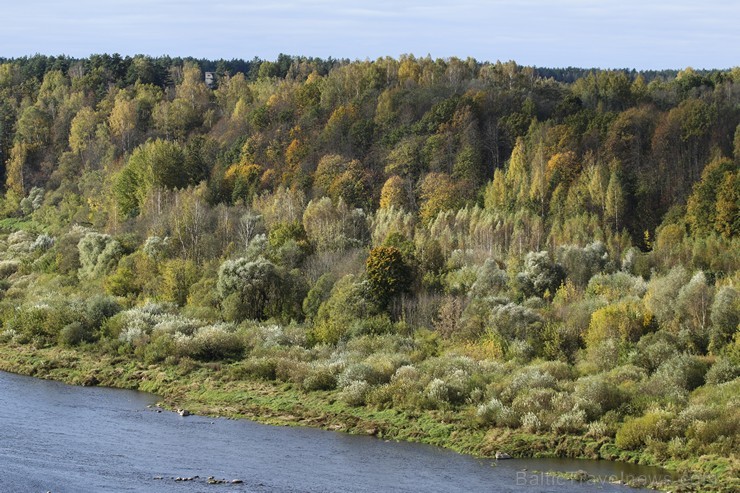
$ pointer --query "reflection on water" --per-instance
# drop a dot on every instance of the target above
(60, 438)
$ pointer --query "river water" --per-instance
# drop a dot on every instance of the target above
(61, 438)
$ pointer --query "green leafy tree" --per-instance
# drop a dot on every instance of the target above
(395, 193)
(701, 209)
(123, 119)
(727, 217)
(440, 193)
(348, 303)
(517, 176)
(250, 288)
(177, 277)
(153, 166)
(615, 200)
(82, 130)
(496, 195)
(725, 317)
(388, 274)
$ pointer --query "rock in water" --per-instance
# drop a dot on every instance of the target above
(502, 456)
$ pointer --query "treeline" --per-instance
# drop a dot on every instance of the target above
(410, 233)
(403, 129)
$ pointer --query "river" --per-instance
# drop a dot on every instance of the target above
(60, 438)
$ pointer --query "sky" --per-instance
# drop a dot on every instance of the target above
(641, 34)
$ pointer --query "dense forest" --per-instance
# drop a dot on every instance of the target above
(518, 251)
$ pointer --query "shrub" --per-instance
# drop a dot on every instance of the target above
(20, 241)
(127, 280)
(290, 370)
(99, 308)
(33, 201)
(674, 379)
(375, 325)
(535, 401)
(723, 370)
(458, 387)
(636, 432)
(459, 282)
(514, 321)
(598, 429)
(156, 247)
(558, 369)
(43, 243)
(99, 254)
(447, 322)
(318, 294)
(387, 343)
(262, 368)
(626, 374)
(718, 432)
(358, 372)
(495, 413)
(167, 323)
(565, 401)
(582, 263)
(437, 392)
(406, 374)
(40, 322)
(444, 366)
(219, 341)
(599, 393)
(234, 309)
(319, 377)
(612, 287)
(570, 422)
(692, 312)
(693, 414)
(540, 275)
(135, 322)
(684, 371)
(355, 393)
(624, 321)
(490, 281)
(8, 268)
(67, 251)
(7, 335)
(74, 334)
(528, 378)
(405, 389)
(653, 350)
(520, 351)
(662, 295)
(384, 365)
(531, 423)
(159, 348)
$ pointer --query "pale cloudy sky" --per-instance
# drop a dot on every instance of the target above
(639, 34)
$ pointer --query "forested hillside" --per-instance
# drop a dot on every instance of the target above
(528, 254)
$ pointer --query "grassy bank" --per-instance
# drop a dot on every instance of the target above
(212, 389)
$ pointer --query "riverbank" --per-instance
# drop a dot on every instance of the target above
(215, 389)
